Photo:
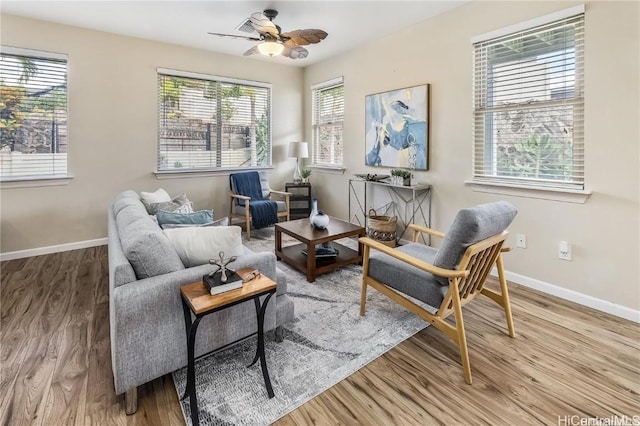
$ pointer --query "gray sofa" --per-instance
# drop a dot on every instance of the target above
(146, 319)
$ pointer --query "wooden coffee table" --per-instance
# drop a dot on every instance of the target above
(302, 231)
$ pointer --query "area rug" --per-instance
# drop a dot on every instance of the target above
(327, 342)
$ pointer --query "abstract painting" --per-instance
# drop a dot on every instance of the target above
(396, 132)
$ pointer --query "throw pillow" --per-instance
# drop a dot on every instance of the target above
(160, 196)
(220, 222)
(196, 218)
(180, 204)
(150, 253)
(196, 245)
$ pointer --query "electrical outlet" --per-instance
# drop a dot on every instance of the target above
(521, 241)
(564, 250)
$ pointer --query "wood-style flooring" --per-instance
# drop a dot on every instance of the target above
(566, 363)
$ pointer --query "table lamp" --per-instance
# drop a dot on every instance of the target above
(298, 150)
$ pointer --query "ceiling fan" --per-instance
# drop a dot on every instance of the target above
(273, 40)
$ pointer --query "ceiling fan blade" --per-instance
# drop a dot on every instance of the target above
(253, 51)
(304, 37)
(236, 36)
(296, 52)
(263, 25)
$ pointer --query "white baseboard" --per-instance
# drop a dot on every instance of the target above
(573, 296)
(20, 254)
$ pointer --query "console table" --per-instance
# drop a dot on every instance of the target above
(408, 203)
(300, 199)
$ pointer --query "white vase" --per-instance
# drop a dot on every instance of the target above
(314, 208)
(320, 220)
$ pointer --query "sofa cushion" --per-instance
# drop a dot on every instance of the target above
(195, 218)
(132, 218)
(126, 198)
(197, 245)
(150, 253)
(179, 204)
(470, 226)
(220, 222)
(159, 196)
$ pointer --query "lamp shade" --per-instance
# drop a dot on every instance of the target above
(270, 48)
(299, 149)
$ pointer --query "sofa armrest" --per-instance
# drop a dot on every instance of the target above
(282, 282)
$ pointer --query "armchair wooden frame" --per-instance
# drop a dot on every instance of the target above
(465, 283)
(246, 217)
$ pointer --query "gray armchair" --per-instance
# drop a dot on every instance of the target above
(444, 280)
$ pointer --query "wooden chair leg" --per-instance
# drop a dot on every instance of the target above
(363, 297)
(462, 338)
(505, 296)
(365, 273)
(131, 401)
(247, 221)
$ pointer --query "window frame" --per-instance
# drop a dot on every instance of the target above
(209, 170)
(316, 89)
(484, 168)
(42, 179)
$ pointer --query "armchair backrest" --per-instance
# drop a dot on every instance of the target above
(264, 184)
(471, 226)
(251, 184)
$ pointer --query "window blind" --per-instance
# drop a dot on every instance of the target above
(529, 106)
(212, 123)
(328, 118)
(33, 114)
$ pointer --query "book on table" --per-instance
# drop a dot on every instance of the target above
(323, 251)
(215, 285)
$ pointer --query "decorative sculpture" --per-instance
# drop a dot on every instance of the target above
(222, 266)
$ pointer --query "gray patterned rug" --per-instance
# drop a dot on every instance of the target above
(327, 342)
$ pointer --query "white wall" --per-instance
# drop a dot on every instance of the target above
(604, 231)
(113, 130)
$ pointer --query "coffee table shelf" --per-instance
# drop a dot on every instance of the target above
(294, 257)
(302, 231)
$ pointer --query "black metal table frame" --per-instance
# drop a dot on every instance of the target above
(192, 328)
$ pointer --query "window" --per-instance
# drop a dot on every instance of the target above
(33, 115)
(212, 123)
(529, 107)
(328, 116)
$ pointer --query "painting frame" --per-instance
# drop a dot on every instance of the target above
(397, 128)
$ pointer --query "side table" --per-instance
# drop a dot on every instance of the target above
(197, 300)
(300, 199)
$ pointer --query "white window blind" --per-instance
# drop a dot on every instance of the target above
(529, 107)
(33, 115)
(212, 123)
(328, 117)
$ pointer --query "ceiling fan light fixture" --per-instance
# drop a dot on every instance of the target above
(270, 48)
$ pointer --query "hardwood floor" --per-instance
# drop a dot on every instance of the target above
(566, 360)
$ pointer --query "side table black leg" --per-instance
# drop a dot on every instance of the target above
(187, 323)
(190, 388)
(260, 310)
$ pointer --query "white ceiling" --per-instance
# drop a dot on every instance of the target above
(186, 23)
